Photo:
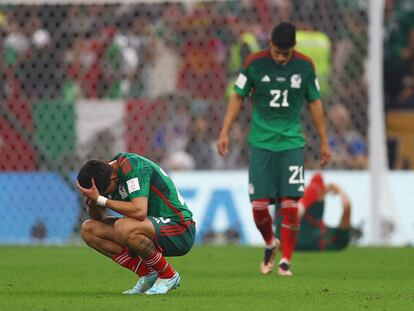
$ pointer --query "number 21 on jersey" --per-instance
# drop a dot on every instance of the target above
(279, 98)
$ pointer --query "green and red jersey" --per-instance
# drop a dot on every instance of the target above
(140, 177)
(278, 94)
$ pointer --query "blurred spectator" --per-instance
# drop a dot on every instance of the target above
(38, 232)
(39, 72)
(349, 150)
(398, 49)
(237, 158)
(172, 134)
(202, 74)
(199, 145)
(178, 161)
(244, 43)
(349, 60)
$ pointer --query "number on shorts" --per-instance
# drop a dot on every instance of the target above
(162, 219)
(297, 174)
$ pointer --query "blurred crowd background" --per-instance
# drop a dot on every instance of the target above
(171, 66)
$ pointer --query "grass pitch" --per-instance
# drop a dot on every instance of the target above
(213, 278)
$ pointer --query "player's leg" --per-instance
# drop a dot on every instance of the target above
(261, 188)
(314, 191)
(174, 239)
(139, 236)
(291, 189)
(102, 236)
(289, 231)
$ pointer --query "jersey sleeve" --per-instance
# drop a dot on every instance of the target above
(313, 88)
(136, 177)
(243, 83)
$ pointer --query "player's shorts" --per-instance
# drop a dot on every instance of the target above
(173, 238)
(276, 174)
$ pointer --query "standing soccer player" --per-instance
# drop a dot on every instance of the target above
(156, 222)
(279, 80)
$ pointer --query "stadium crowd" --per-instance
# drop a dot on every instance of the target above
(185, 56)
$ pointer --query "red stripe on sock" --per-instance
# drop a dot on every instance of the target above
(159, 264)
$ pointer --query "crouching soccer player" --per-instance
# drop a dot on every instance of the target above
(314, 234)
(156, 222)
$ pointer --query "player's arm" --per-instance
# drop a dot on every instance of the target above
(94, 211)
(136, 208)
(233, 111)
(318, 118)
(346, 205)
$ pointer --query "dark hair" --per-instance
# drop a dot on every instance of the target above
(99, 171)
(284, 35)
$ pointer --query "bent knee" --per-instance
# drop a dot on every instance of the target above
(130, 230)
(88, 228)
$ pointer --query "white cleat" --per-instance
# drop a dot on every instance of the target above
(144, 283)
(284, 268)
(268, 263)
(163, 286)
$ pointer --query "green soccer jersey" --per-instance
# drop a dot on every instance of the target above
(278, 94)
(140, 177)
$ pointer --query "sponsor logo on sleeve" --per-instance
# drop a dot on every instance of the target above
(133, 185)
(318, 87)
(241, 81)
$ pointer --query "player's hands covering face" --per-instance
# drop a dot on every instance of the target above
(92, 193)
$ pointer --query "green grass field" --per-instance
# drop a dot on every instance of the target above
(213, 278)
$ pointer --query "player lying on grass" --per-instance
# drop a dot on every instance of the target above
(156, 222)
(314, 234)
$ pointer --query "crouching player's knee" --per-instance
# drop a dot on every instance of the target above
(88, 230)
(132, 233)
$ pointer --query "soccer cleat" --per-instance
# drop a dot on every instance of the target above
(268, 263)
(284, 268)
(144, 283)
(163, 286)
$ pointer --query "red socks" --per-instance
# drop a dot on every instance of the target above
(313, 191)
(263, 220)
(158, 263)
(135, 264)
(289, 228)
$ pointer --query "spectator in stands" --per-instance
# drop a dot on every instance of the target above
(244, 42)
(202, 73)
(199, 144)
(398, 49)
(39, 72)
(237, 158)
(349, 150)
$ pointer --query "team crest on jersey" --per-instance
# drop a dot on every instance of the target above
(122, 192)
(295, 81)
